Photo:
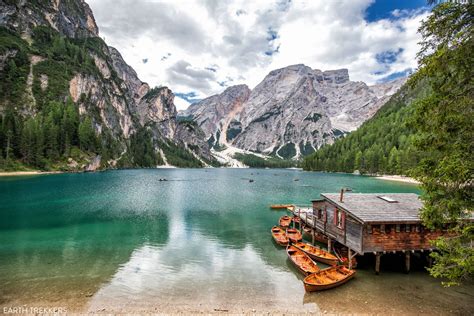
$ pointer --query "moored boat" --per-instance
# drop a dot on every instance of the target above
(296, 219)
(301, 260)
(317, 254)
(306, 229)
(279, 236)
(281, 206)
(293, 235)
(285, 221)
(328, 278)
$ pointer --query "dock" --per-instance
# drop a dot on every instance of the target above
(375, 223)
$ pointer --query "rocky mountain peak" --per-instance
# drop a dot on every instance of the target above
(338, 76)
(137, 124)
(70, 18)
(292, 112)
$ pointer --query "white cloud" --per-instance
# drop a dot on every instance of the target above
(181, 104)
(203, 46)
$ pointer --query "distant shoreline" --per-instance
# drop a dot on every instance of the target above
(26, 173)
(398, 179)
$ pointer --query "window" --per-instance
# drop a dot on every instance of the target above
(339, 218)
(387, 199)
(369, 229)
(320, 214)
(397, 228)
(407, 228)
(382, 229)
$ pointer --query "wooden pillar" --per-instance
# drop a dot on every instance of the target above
(349, 257)
(407, 262)
(377, 262)
(329, 245)
(299, 216)
(312, 235)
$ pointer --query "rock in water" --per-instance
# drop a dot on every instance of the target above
(94, 164)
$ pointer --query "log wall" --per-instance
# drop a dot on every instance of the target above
(383, 238)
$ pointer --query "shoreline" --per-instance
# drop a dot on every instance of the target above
(26, 173)
(398, 179)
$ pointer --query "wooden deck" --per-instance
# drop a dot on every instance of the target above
(367, 223)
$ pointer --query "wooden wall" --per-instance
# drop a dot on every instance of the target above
(350, 234)
(389, 239)
(355, 235)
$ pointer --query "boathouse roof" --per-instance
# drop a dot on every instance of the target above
(379, 207)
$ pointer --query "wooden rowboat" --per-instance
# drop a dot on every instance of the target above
(293, 235)
(301, 260)
(306, 229)
(328, 278)
(285, 221)
(280, 236)
(317, 254)
(281, 206)
(296, 219)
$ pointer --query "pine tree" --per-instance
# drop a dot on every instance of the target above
(87, 138)
(443, 120)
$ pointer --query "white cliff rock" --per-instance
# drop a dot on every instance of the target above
(292, 112)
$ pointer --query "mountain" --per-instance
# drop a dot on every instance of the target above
(69, 101)
(291, 113)
(383, 144)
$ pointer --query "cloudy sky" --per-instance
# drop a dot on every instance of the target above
(200, 47)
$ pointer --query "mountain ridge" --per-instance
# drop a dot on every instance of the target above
(292, 112)
(56, 48)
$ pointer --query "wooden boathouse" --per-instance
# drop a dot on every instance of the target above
(372, 223)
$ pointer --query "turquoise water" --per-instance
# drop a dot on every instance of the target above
(123, 240)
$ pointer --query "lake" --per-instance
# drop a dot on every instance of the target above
(125, 241)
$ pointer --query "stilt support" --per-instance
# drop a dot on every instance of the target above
(377, 262)
(312, 235)
(329, 245)
(407, 262)
(349, 257)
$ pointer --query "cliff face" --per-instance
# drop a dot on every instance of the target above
(71, 18)
(215, 115)
(66, 58)
(292, 112)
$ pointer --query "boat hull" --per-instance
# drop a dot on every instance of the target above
(294, 235)
(322, 259)
(281, 206)
(311, 286)
(279, 236)
(301, 261)
(285, 221)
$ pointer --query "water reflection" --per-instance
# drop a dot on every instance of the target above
(124, 240)
(199, 272)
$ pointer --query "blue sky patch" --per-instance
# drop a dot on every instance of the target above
(388, 57)
(272, 35)
(396, 75)
(191, 97)
(382, 9)
(270, 52)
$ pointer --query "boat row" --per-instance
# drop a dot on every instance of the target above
(284, 237)
(304, 257)
(318, 279)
